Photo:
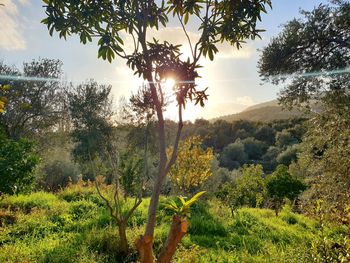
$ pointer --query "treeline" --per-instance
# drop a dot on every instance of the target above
(54, 133)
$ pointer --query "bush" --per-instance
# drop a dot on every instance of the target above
(17, 163)
(58, 174)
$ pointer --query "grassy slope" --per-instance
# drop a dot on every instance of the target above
(74, 226)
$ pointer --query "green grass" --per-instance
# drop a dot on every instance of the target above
(75, 226)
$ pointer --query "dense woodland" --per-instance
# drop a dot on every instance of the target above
(80, 173)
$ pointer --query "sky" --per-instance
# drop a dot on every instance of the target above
(232, 78)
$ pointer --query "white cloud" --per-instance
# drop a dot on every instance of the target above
(24, 2)
(227, 51)
(11, 37)
(245, 100)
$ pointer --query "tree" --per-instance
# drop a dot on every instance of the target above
(288, 155)
(90, 110)
(254, 148)
(280, 185)
(325, 155)
(17, 163)
(314, 53)
(33, 102)
(233, 155)
(284, 139)
(247, 190)
(266, 134)
(155, 61)
(193, 165)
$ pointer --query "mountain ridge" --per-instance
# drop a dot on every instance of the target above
(263, 112)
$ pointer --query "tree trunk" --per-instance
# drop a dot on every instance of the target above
(123, 241)
(177, 230)
(144, 247)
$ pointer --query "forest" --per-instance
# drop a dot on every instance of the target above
(86, 177)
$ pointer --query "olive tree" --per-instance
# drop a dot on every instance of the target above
(34, 106)
(111, 22)
(314, 53)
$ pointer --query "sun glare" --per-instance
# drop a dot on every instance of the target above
(169, 83)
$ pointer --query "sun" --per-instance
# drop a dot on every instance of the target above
(169, 83)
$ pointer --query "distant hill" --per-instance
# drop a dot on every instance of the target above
(264, 112)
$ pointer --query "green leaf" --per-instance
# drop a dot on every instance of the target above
(194, 199)
(186, 18)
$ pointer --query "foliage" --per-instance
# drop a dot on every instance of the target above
(193, 165)
(32, 106)
(280, 185)
(58, 174)
(288, 155)
(324, 154)
(131, 173)
(253, 148)
(233, 155)
(17, 163)
(313, 61)
(57, 167)
(317, 66)
(285, 138)
(327, 247)
(247, 190)
(183, 209)
(3, 99)
(90, 110)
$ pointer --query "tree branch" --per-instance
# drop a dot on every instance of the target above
(176, 142)
(187, 36)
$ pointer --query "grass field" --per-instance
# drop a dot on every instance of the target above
(74, 226)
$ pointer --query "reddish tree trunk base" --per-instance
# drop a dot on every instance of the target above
(144, 246)
(177, 230)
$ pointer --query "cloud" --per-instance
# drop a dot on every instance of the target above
(227, 51)
(11, 37)
(24, 2)
(245, 101)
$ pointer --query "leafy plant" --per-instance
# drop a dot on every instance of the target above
(182, 209)
(17, 163)
(193, 164)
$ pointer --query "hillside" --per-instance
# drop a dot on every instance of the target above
(264, 112)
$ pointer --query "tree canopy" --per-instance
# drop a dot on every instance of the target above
(31, 106)
(193, 165)
(312, 52)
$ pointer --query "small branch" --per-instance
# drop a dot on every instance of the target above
(188, 37)
(176, 142)
(111, 210)
(131, 211)
(206, 18)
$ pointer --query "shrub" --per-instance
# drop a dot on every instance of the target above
(17, 163)
(57, 174)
